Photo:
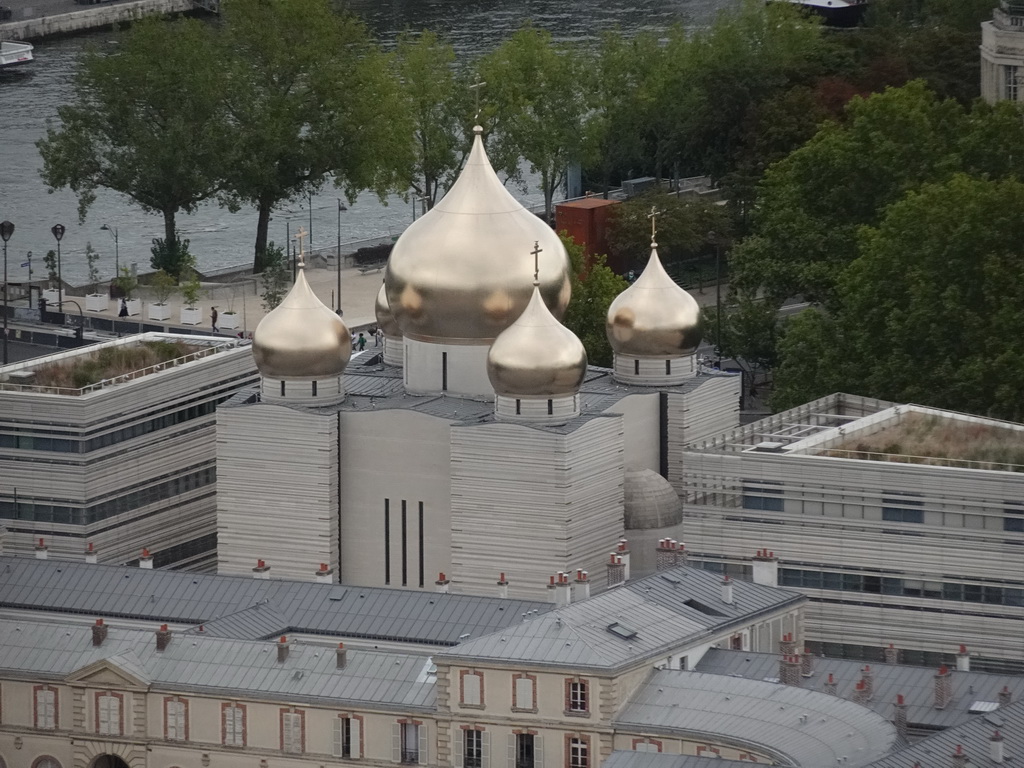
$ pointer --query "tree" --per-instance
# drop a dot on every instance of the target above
(163, 286)
(437, 98)
(535, 95)
(145, 122)
(812, 203)
(307, 97)
(275, 277)
(750, 332)
(594, 287)
(171, 256)
(930, 312)
(50, 262)
(92, 258)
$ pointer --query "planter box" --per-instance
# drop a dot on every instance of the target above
(97, 302)
(134, 307)
(191, 316)
(159, 312)
(52, 296)
(229, 320)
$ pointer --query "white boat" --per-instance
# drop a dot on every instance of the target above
(12, 53)
(837, 13)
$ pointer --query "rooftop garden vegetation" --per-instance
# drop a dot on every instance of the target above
(110, 362)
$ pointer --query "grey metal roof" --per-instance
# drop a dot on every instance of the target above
(247, 608)
(665, 610)
(916, 684)
(973, 737)
(218, 666)
(800, 728)
(628, 759)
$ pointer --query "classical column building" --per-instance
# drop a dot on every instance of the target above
(1002, 53)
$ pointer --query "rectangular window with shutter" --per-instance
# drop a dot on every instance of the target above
(233, 725)
(175, 719)
(347, 733)
(410, 743)
(473, 751)
(525, 751)
(46, 707)
(292, 740)
(524, 693)
(108, 714)
(472, 684)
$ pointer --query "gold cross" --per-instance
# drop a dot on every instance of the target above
(537, 251)
(653, 215)
(476, 92)
(300, 236)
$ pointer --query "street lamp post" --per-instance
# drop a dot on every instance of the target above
(117, 254)
(713, 237)
(341, 207)
(6, 230)
(58, 232)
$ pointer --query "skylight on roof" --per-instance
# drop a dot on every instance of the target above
(983, 706)
(621, 630)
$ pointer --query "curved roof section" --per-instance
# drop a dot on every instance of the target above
(798, 727)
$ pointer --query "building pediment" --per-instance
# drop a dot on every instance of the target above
(123, 670)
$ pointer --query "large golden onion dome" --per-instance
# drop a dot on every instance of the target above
(301, 337)
(457, 274)
(536, 356)
(654, 317)
(385, 319)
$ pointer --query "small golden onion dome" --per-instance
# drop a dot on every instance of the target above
(654, 317)
(458, 273)
(536, 356)
(301, 337)
(385, 319)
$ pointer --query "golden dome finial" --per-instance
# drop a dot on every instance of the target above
(537, 251)
(300, 236)
(653, 216)
(475, 88)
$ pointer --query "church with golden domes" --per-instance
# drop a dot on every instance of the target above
(479, 448)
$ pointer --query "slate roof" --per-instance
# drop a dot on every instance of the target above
(666, 611)
(248, 608)
(973, 737)
(917, 684)
(217, 666)
(628, 759)
(798, 727)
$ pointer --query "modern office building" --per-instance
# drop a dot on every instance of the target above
(102, 447)
(904, 525)
(1002, 53)
(480, 447)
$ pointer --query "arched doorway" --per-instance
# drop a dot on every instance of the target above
(108, 761)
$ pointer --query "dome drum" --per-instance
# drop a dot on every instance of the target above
(437, 369)
(553, 411)
(302, 391)
(394, 351)
(654, 371)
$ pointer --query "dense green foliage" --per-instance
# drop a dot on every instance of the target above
(594, 286)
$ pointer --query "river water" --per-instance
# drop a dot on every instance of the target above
(29, 97)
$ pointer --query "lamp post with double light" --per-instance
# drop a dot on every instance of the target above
(6, 230)
(117, 254)
(58, 233)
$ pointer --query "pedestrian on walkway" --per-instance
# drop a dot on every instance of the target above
(362, 342)
(213, 318)
(378, 337)
(123, 311)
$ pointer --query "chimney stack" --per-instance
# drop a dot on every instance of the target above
(146, 561)
(860, 693)
(787, 645)
(99, 632)
(503, 587)
(342, 656)
(561, 594)
(726, 590)
(943, 687)
(41, 550)
(282, 649)
(868, 677)
(789, 670)
(665, 555)
(623, 551)
(766, 568)
(163, 638)
(830, 685)
(325, 575)
(892, 656)
(959, 757)
(581, 589)
(807, 663)
(899, 718)
(1005, 697)
(261, 571)
(616, 570)
(442, 584)
(996, 751)
(963, 660)
(90, 554)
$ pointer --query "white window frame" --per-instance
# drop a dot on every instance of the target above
(234, 725)
(46, 708)
(291, 733)
(109, 713)
(176, 714)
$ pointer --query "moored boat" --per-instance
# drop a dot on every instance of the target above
(13, 54)
(837, 13)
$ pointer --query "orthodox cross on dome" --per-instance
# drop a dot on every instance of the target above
(475, 88)
(653, 216)
(537, 251)
(300, 236)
